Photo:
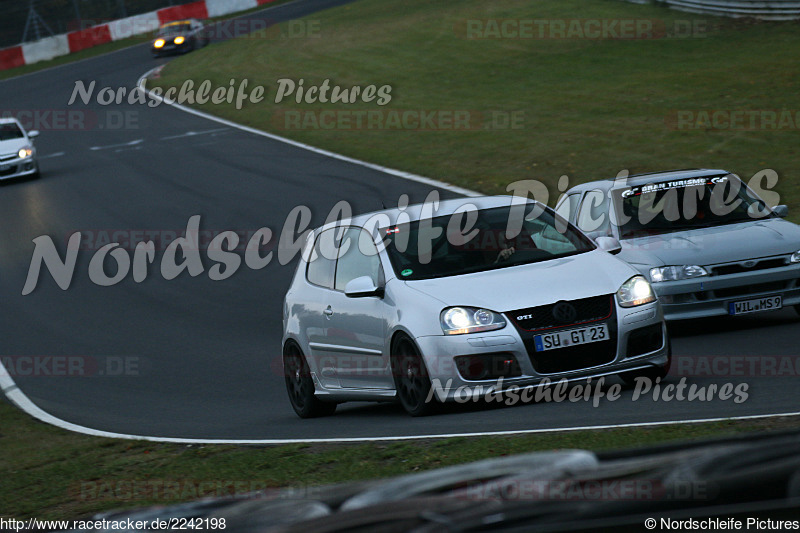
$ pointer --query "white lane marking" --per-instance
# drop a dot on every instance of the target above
(386, 170)
(48, 156)
(23, 402)
(121, 145)
(193, 134)
(118, 150)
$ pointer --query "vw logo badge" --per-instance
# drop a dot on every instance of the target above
(564, 312)
(749, 264)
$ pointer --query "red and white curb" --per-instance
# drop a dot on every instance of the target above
(69, 43)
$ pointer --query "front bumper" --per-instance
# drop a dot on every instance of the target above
(711, 296)
(18, 168)
(172, 48)
(441, 353)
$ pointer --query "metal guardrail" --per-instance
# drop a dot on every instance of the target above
(760, 9)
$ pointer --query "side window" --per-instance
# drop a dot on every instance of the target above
(359, 259)
(322, 263)
(593, 215)
(567, 207)
(549, 237)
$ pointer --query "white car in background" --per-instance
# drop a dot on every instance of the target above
(707, 242)
(17, 153)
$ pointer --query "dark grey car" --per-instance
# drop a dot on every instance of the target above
(179, 36)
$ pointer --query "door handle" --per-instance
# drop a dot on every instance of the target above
(328, 312)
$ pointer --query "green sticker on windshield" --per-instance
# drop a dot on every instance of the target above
(406, 272)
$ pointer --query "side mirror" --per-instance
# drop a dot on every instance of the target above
(362, 287)
(781, 210)
(33, 133)
(608, 244)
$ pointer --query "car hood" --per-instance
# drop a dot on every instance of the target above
(505, 289)
(718, 244)
(13, 145)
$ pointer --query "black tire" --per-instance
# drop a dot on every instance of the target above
(411, 378)
(654, 373)
(300, 386)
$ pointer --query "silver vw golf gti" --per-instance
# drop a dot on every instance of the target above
(492, 292)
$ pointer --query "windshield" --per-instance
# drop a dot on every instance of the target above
(10, 131)
(436, 247)
(172, 29)
(685, 204)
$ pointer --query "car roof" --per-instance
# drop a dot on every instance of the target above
(414, 211)
(9, 120)
(649, 177)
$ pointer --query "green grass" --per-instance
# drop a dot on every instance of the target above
(108, 48)
(51, 473)
(591, 107)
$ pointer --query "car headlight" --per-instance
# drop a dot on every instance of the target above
(159, 43)
(460, 320)
(25, 152)
(795, 257)
(635, 291)
(672, 273)
(179, 39)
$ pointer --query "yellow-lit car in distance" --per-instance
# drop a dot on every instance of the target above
(179, 37)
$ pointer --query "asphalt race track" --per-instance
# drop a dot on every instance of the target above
(203, 355)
